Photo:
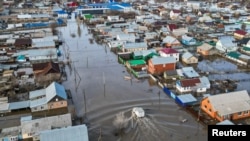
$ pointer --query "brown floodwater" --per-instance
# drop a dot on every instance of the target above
(96, 73)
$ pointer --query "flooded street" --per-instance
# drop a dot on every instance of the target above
(96, 73)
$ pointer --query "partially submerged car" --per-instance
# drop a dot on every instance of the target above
(138, 112)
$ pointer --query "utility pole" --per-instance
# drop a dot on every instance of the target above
(85, 104)
(104, 91)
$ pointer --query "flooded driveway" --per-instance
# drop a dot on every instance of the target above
(96, 76)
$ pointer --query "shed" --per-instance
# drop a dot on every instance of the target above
(19, 105)
(185, 99)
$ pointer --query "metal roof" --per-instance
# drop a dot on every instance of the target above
(37, 93)
(35, 126)
(19, 105)
(230, 103)
(136, 62)
(190, 72)
(55, 89)
(136, 45)
(187, 55)
(71, 133)
(38, 102)
(187, 98)
(163, 60)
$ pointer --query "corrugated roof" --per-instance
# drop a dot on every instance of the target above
(190, 72)
(55, 89)
(229, 103)
(187, 98)
(169, 50)
(187, 55)
(234, 54)
(136, 62)
(163, 60)
(38, 102)
(205, 46)
(37, 93)
(19, 105)
(246, 48)
(71, 133)
(190, 82)
(136, 45)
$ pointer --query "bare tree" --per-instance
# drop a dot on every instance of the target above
(121, 124)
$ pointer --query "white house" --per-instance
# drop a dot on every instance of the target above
(225, 44)
(193, 85)
(174, 14)
(126, 37)
(113, 18)
(168, 52)
(39, 55)
(53, 96)
(131, 47)
(150, 35)
(115, 43)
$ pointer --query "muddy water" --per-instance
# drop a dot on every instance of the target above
(96, 74)
(225, 69)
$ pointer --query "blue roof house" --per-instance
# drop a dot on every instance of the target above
(187, 40)
(52, 97)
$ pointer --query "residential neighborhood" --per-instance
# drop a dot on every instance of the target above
(74, 70)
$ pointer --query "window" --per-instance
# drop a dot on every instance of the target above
(245, 112)
(61, 103)
(239, 113)
(210, 110)
(205, 106)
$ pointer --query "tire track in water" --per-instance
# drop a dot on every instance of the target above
(94, 113)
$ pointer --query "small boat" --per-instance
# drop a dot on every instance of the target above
(138, 112)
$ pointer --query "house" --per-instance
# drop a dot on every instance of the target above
(158, 65)
(126, 37)
(113, 18)
(239, 57)
(4, 105)
(179, 32)
(32, 128)
(52, 97)
(172, 42)
(46, 72)
(144, 54)
(186, 100)
(174, 14)
(39, 55)
(137, 65)
(115, 43)
(10, 134)
(189, 72)
(206, 49)
(189, 58)
(239, 34)
(225, 44)
(150, 35)
(171, 74)
(244, 42)
(74, 133)
(168, 52)
(171, 27)
(197, 85)
(188, 40)
(131, 47)
(227, 106)
(23, 43)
